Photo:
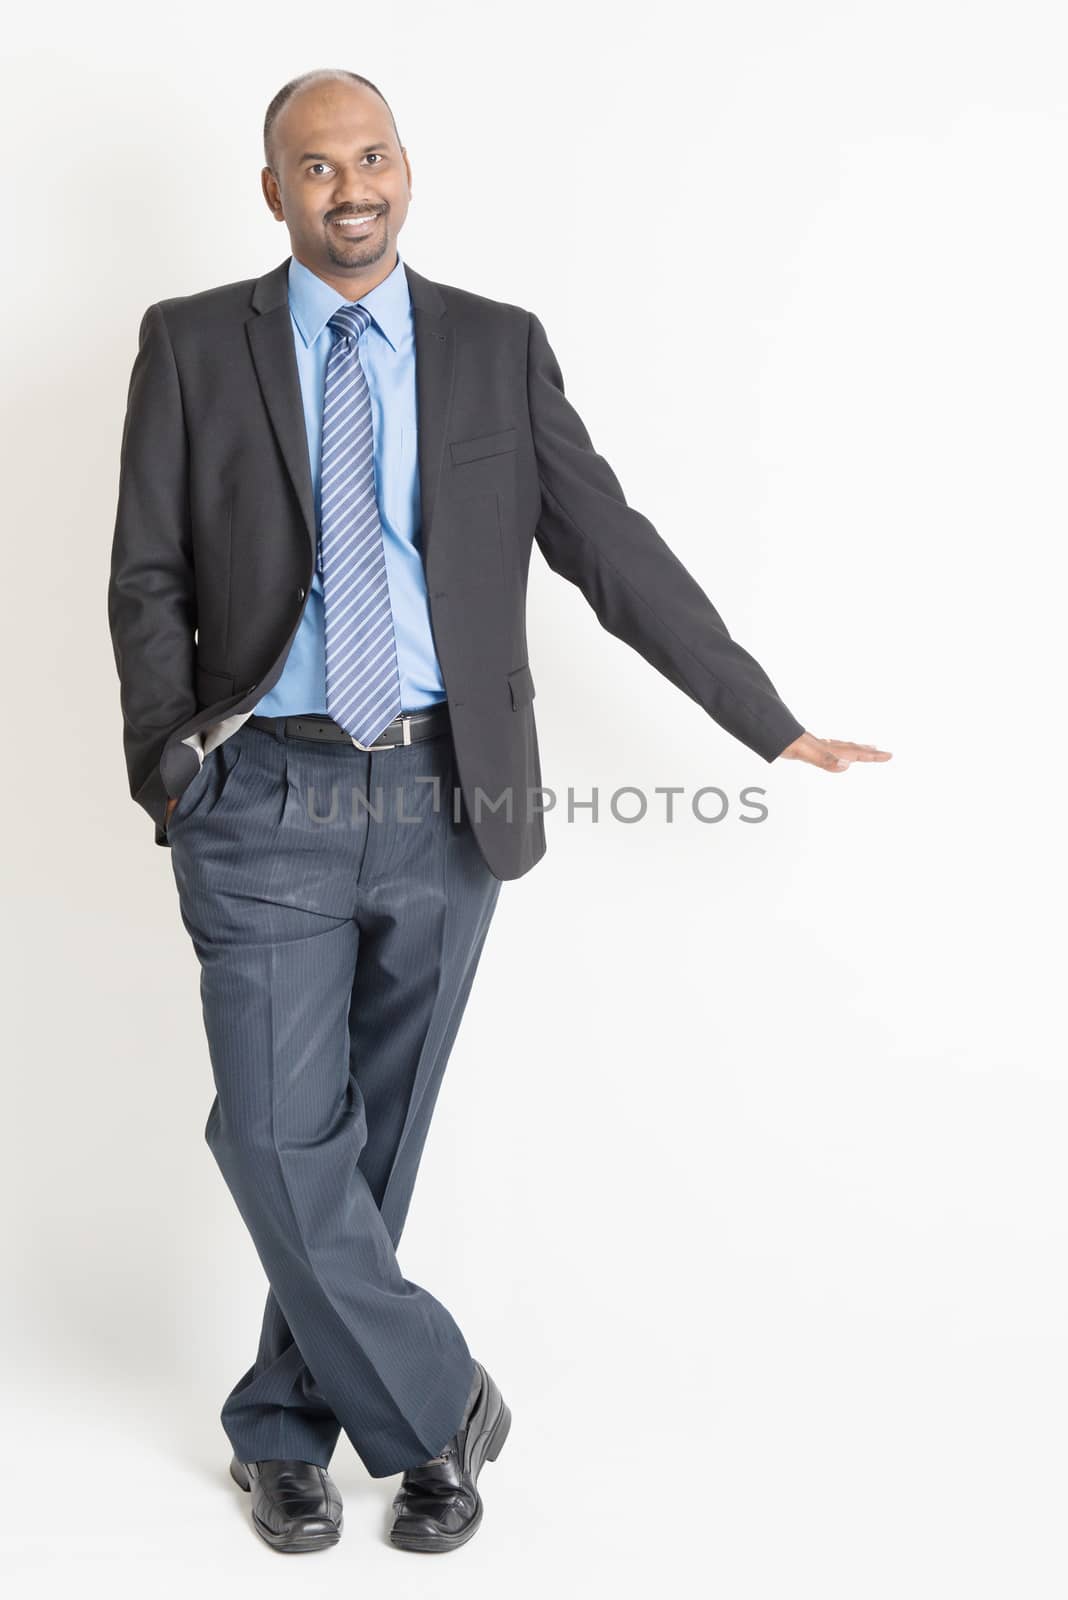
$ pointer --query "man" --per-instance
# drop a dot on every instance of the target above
(331, 480)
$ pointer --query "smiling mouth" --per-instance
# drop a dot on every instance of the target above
(356, 224)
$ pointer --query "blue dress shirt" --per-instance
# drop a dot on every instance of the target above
(387, 354)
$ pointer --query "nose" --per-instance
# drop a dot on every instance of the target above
(353, 195)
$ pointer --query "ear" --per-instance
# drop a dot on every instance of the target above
(272, 194)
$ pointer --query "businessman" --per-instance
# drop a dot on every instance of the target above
(331, 480)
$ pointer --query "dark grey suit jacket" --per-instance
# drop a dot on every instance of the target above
(215, 539)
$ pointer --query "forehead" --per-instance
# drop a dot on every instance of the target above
(334, 116)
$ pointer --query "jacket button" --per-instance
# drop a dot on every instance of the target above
(300, 592)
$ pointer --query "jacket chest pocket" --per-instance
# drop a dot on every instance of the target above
(483, 447)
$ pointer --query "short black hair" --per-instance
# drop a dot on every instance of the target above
(288, 90)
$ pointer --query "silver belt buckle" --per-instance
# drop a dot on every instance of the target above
(406, 728)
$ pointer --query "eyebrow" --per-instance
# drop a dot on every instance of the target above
(317, 155)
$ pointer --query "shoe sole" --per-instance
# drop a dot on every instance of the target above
(452, 1541)
(285, 1544)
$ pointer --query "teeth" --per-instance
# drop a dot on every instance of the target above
(352, 222)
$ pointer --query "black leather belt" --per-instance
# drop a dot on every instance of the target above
(408, 728)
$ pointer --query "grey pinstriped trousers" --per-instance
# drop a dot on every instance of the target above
(336, 957)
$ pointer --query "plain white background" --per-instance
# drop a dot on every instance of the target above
(760, 1220)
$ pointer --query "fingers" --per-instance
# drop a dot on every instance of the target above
(833, 755)
(857, 752)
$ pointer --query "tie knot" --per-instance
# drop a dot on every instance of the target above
(351, 320)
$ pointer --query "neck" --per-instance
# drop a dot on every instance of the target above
(353, 282)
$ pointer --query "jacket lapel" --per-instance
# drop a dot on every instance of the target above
(435, 365)
(270, 336)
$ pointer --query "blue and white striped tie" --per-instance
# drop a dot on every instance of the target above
(362, 678)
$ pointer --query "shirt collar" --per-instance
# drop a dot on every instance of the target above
(313, 302)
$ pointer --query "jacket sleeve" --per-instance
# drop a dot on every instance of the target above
(152, 592)
(637, 586)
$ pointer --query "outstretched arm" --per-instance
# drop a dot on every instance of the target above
(640, 590)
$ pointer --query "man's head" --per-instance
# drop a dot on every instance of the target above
(332, 151)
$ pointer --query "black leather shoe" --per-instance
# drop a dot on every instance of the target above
(295, 1505)
(437, 1506)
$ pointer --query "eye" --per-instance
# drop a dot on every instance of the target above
(376, 156)
(316, 164)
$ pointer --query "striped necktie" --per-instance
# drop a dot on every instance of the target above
(362, 678)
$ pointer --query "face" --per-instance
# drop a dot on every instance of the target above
(336, 157)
